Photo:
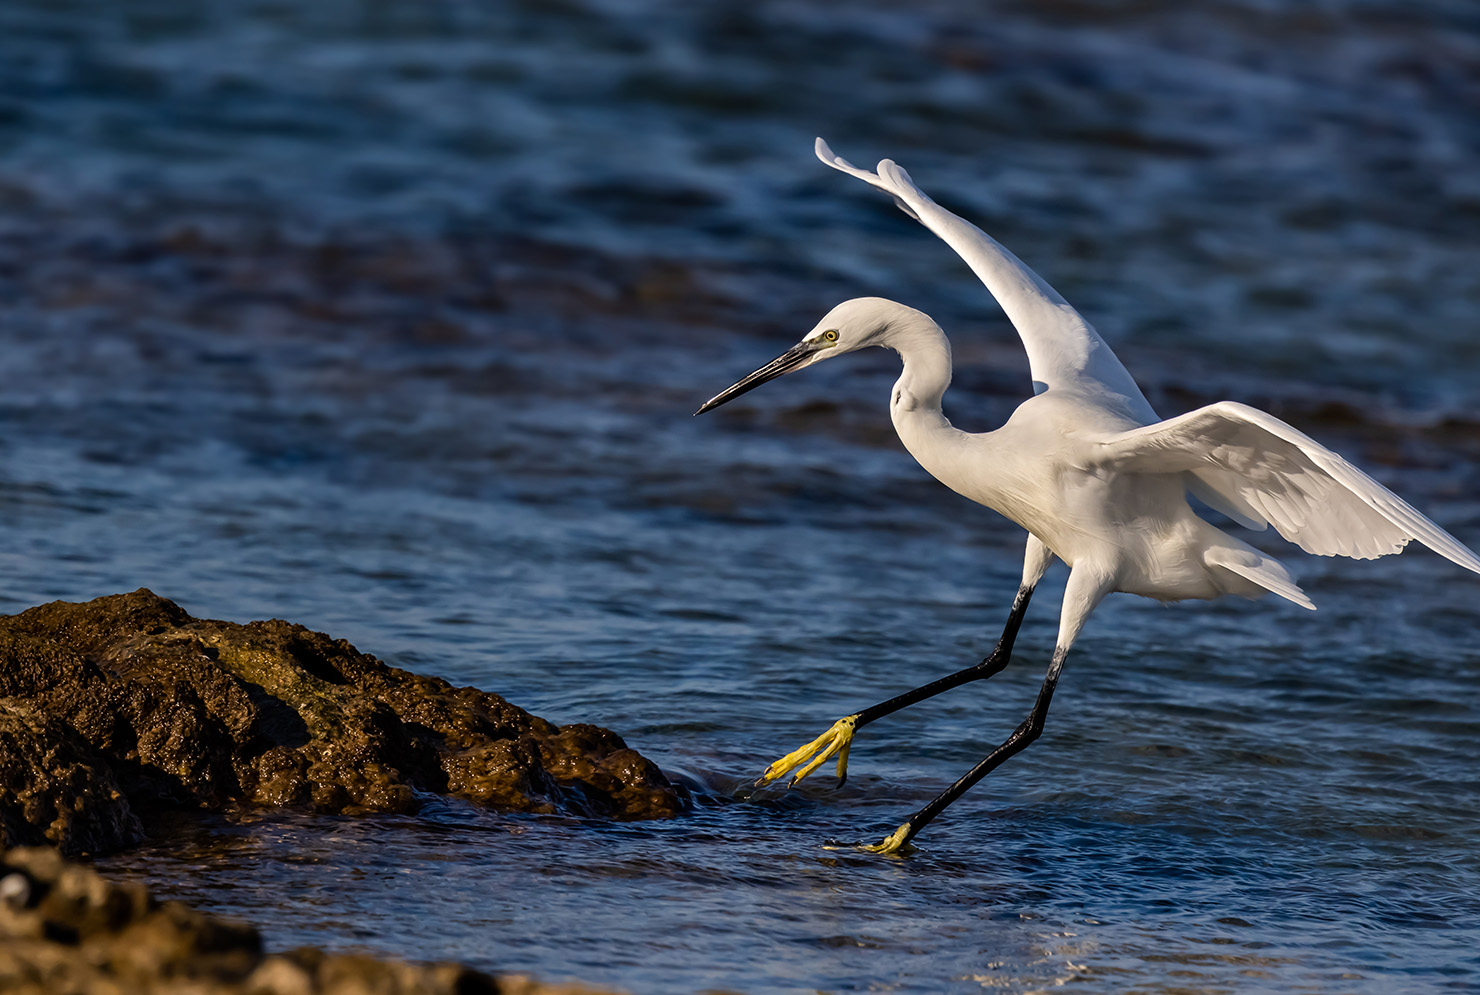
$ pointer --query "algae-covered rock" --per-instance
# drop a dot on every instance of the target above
(126, 702)
(50, 791)
(67, 929)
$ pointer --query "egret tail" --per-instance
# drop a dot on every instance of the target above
(1265, 573)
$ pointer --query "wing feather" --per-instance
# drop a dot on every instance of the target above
(1272, 472)
(1063, 349)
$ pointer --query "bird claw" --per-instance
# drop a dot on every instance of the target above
(896, 842)
(835, 742)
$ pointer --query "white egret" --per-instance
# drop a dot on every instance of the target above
(1092, 473)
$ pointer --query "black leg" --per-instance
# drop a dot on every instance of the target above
(836, 740)
(995, 663)
(1021, 737)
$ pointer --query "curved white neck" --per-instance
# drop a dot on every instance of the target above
(927, 363)
(914, 407)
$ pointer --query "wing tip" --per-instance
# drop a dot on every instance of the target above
(895, 174)
(831, 158)
(1465, 557)
(890, 178)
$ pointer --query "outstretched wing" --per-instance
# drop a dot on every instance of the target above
(1063, 349)
(1274, 473)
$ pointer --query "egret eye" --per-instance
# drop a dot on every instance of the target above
(831, 335)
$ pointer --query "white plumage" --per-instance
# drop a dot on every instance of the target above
(1091, 472)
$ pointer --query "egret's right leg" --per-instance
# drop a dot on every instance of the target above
(836, 741)
(1084, 591)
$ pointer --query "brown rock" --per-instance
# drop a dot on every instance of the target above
(50, 791)
(126, 703)
(65, 928)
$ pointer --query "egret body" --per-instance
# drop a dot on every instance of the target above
(1096, 478)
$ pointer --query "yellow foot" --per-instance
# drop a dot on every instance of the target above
(816, 753)
(893, 843)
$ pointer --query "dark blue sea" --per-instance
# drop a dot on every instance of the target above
(388, 317)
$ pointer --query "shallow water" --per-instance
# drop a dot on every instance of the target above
(388, 319)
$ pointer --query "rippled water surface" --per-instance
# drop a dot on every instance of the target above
(388, 318)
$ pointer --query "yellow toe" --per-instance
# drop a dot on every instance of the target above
(833, 743)
(893, 843)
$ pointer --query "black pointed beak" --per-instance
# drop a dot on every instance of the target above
(784, 363)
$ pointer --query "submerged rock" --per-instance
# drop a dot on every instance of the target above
(66, 928)
(124, 703)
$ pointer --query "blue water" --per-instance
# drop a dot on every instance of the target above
(389, 318)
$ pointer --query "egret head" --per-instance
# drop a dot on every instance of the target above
(851, 325)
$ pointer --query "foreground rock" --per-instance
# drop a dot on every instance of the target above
(126, 703)
(65, 928)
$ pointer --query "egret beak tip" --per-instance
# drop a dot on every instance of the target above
(785, 363)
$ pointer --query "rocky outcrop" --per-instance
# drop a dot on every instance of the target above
(65, 928)
(50, 788)
(126, 703)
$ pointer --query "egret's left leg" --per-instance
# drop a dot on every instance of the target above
(837, 740)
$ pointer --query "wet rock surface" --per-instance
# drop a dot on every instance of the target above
(127, 703)
(66, 928)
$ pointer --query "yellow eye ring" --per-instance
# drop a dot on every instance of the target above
(831, 335)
